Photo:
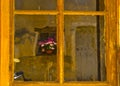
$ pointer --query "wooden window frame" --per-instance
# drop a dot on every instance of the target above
(7, 43)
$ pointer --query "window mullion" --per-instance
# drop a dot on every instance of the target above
(61, 40)
(35, 12)
(84, 13)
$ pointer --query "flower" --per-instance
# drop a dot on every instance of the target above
(47, 44)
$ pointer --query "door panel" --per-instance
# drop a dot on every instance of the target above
(86, 55)
(84, 48)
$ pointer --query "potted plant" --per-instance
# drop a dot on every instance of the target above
(47, 46)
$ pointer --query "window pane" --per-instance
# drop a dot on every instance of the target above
(35, 4)
(84, 48)
(35, 48)
(84, 5)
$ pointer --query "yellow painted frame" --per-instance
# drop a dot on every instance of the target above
(6, 43)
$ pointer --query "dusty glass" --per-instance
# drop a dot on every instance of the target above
(84, 5)
(35, 48)
(35, 4)
(84, 57)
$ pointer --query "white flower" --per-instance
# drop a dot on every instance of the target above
(51, 44)
(42, 45)
(52, 48)
(55, 43)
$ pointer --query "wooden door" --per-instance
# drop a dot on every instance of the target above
(86, 55)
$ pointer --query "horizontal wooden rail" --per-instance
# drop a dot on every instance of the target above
(37, 12)
(84, 13)
(58, 84)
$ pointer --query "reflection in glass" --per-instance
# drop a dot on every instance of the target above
(84, 5)
(35, 48)
(84, 48)
(35, 4)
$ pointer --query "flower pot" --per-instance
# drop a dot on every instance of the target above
(49, 51)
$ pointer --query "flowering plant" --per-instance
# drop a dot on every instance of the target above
(47, 46)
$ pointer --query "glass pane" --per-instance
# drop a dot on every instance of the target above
(35, 4)
(84, 48)
(35, 48)
(84, 5)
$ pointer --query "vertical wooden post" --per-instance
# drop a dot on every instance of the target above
(118, 42)
(4, 45)
(111, 40)
(60, 40)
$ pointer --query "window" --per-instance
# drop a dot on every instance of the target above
(59, 42)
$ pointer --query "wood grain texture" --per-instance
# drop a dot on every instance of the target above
(4, 47)
(111, 42)
(33, 12)
(64, 84)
